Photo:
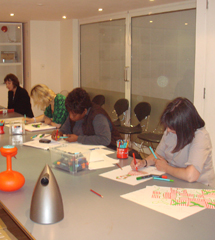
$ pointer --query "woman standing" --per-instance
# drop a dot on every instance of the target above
(18, 98)
(185, 149)
(55, 112)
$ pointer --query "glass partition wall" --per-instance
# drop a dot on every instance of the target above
(163, 59)
(162, 48)
(103, 61)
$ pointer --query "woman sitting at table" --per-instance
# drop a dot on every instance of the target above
(185, 149)
(87, 123)
(55, 113)
(18, 98)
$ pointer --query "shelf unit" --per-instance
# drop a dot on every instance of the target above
(11, 50)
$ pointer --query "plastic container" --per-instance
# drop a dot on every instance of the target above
(69, 161)
(17, 128)
(2, 129)
(122, 149)
(122, 152)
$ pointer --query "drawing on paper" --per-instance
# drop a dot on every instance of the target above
(204, 198)
(131, 173)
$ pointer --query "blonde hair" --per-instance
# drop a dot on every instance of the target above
(42, 96)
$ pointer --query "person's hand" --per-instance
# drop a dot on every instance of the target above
(161, 164)
(140, 164)
(47, 120)
(54, 134)
(71, 138)
(28, 120)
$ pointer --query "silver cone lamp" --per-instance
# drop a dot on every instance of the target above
(46, 202)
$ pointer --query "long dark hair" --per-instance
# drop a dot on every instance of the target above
(181, 116)
(13, 78)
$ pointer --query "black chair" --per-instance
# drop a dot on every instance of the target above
(99, 99)
(151, 138)
(142, 111)
(120, 107)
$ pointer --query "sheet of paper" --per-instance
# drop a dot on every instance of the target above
(128, 176)
(99, 165)
(41, 127)
(111, 160)
(95, 156)
(36, 144)
(144, 198)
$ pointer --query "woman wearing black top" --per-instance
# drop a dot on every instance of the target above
(18, 98)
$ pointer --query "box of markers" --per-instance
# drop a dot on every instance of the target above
(71, 162)
(17, 128)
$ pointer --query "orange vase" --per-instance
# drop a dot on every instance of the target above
(10, 180)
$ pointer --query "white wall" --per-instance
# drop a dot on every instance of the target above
(49, 55)
(66, 53)
(205, 70)
(44, 38)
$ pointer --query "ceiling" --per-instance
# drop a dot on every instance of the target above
(50, 10)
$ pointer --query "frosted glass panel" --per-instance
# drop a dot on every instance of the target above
(103, 60)
(163, 59)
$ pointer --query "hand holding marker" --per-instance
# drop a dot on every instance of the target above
(135, 161)
(158, 178)
(153, 152)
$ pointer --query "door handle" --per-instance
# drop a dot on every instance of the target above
(126, 74)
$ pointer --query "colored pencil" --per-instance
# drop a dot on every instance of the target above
(96, 193)
(118, 166)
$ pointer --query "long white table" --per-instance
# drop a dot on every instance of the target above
(87, 216)
(13, 116)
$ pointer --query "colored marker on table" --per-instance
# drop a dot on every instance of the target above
(96, 193)
(62, 137)
(143, 177)
(151, 175)
(163, 179)
(25, 118)
(153, 152)
(34, 136)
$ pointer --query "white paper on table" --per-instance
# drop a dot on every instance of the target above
(99, 165)
(43, 126)
(42, 136)
(111, 160)
(100, 155)
(121, 175)
(90, 147)
(95, 156)
(72, 147)
(143, 197)
(35, 143)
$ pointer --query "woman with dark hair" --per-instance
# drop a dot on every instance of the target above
(18, 98)
(185, 149)
(88, 123)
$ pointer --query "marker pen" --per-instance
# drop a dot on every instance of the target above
(143, 177)
(152, 152)
(163, 179)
